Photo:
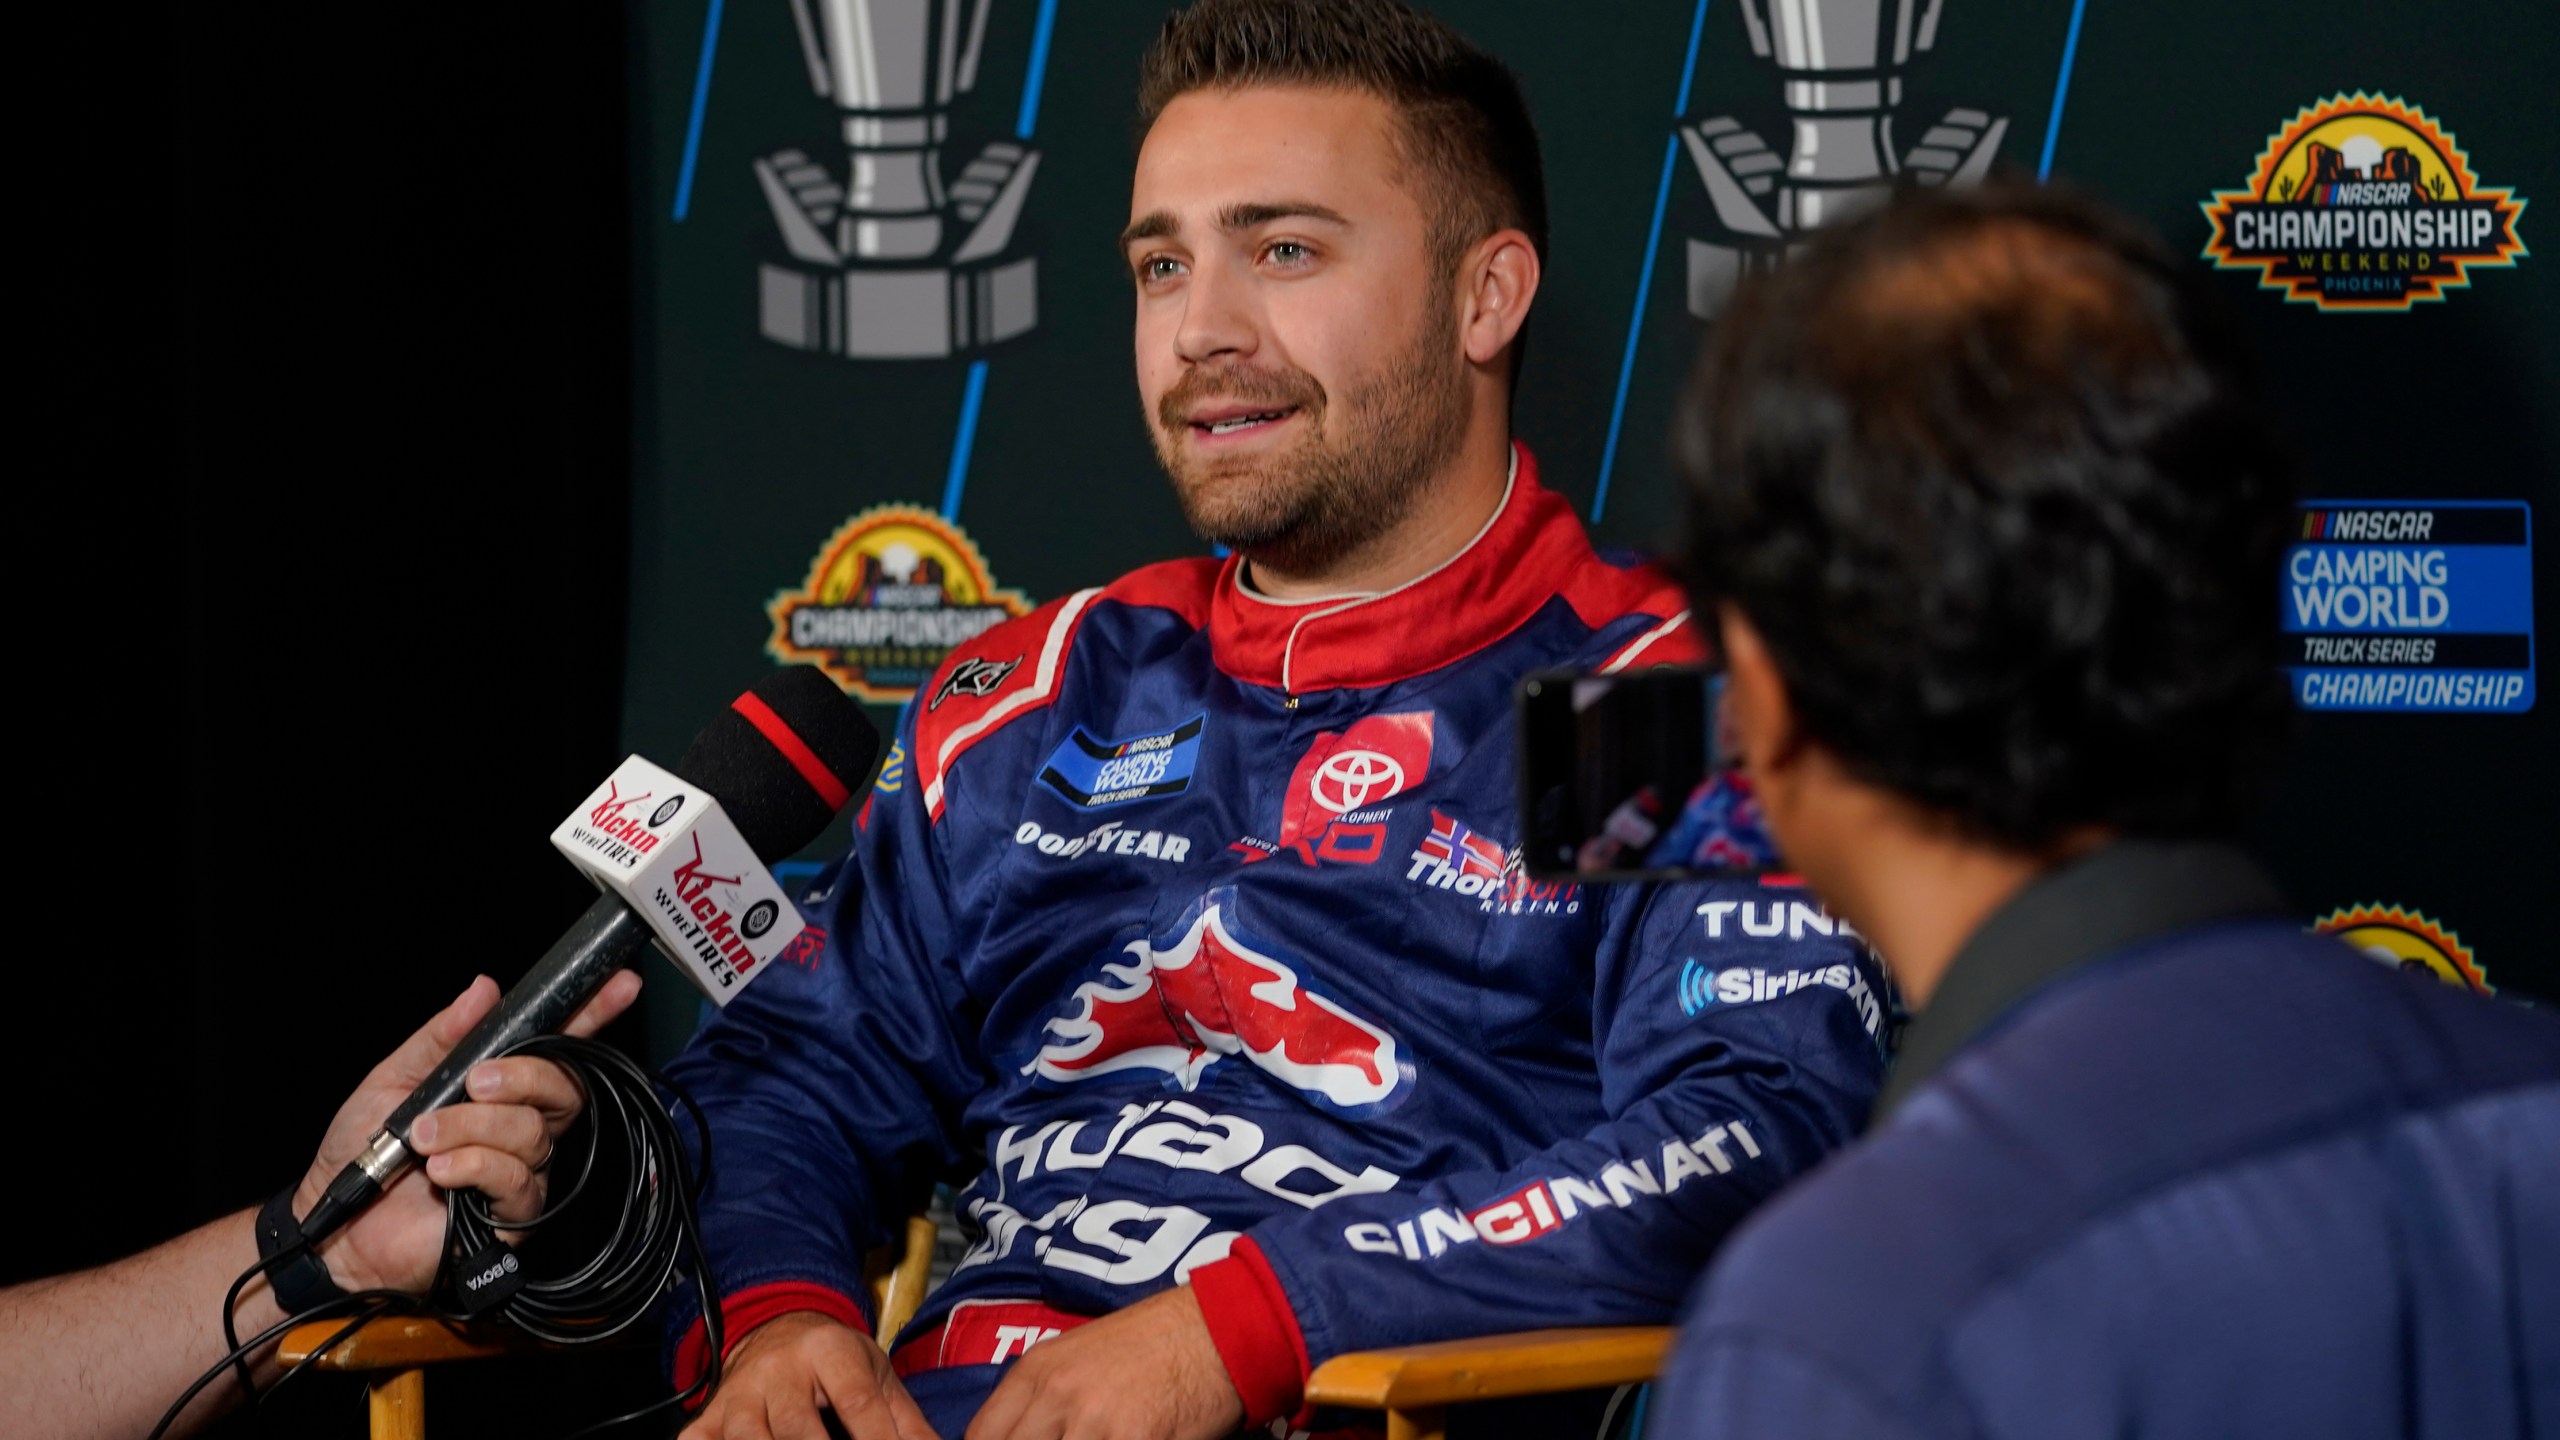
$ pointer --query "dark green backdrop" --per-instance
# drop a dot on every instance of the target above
(751, 454)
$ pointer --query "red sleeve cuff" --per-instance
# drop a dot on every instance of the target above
(752, 1307)
(1255, 1331)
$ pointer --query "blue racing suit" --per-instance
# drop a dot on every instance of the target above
(1185, 930)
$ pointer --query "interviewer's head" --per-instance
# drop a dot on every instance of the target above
(1984, 497)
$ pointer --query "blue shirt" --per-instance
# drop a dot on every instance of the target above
(2156, 1163)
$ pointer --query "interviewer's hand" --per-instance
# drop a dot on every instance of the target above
(1149, 1372)
(498, 1143)
(792, 1366)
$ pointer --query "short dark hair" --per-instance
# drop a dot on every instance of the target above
(1992, 478)
(1466, 129)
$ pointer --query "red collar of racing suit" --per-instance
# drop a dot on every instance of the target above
(1530, 551)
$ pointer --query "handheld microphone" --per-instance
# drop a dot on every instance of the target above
(770, 771)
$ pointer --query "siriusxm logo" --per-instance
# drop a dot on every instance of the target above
(1703, 988)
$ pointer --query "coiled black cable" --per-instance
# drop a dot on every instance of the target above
(654, 1233)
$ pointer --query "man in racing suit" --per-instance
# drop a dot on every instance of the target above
(1184, 925)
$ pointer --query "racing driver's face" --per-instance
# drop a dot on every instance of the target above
(1298, 347)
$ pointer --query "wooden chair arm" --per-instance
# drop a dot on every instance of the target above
(399, 1342)
(1494, 1367)
(899, 1275)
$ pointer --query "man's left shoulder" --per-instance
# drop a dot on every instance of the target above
(1022, 666)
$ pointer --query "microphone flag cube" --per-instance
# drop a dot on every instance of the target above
(664, 846)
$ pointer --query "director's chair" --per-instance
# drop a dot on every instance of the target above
(1413, 1386)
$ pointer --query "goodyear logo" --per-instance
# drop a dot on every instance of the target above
(2363, 202)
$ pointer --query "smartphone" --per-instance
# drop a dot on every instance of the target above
(1628, 777)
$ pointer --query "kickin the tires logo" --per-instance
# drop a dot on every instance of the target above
(2363, 202)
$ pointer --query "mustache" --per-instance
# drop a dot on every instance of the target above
(1283, 389)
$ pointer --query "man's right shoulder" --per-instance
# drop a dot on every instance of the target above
(1019, 668)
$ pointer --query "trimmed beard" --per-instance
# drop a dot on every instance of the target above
(1339, 488)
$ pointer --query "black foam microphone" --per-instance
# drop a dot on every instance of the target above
(781, 760)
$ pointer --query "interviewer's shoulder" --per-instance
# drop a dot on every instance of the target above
(1852, 1271)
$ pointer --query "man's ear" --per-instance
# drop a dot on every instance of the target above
(1499, 280)
(1759, 709)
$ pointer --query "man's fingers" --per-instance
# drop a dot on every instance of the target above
(793, 1416)
(910, 1417)
(447, 1027)
(709, 1424)
(419, 1053)
(858, 1395)
(507, 1181)
(997, 1419)
(746, 1421)
(867, 1398)
(525, 1081)
(606, 1004)
(517, 1129)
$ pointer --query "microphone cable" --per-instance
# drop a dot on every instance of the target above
(654, 1234)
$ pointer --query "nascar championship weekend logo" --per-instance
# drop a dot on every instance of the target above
(892, 593)
(2363, 203)
(2407, 941)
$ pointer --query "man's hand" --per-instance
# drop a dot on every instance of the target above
(498, 1143)
(792, 1366)
(1146, 1373)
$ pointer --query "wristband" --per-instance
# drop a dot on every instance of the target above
(300, 1281)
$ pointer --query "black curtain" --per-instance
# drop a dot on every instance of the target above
(319, 578)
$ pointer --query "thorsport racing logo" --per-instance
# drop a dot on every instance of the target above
(2408, 940)
(892, 593)
(2363, 203)
(1459, 859)
(1187, 1006)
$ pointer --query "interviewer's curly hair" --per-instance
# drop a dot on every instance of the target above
(1992, 478)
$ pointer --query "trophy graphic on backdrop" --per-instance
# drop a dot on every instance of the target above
(1841, 64)
(889, 262)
